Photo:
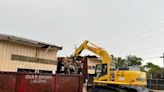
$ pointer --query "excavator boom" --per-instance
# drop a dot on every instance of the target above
(93, 48)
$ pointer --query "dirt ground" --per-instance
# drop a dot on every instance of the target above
(158, 90)
(84, 89)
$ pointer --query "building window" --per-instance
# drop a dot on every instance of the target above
(45, 72)
(20, 70)
(91, 67)
(32, 59)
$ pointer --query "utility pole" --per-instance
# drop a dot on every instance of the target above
(75, 47)
(163, 59)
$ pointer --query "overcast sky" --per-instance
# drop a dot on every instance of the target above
(122, 27)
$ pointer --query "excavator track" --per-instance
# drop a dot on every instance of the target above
(117, 89)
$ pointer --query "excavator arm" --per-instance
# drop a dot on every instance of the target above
(80, 49)
(106, 59)
(94, 49)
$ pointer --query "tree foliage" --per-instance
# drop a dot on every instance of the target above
(130, 60)
(133, 60)
(151, 69)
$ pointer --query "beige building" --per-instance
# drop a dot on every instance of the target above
(92, 61)
(19, 54)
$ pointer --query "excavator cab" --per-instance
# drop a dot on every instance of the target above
(101, 70)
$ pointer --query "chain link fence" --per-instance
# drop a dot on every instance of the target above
(156, 84)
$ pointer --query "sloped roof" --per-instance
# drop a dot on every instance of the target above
(29, 42)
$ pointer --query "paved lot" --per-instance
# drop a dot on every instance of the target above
(84, 89)
(159, 90)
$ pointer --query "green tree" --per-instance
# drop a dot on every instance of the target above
(130, 60)
(119, 61)
(133, 60)
(151, 68)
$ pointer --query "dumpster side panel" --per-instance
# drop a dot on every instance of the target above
(14, 82)
(7, 82)
(68, 83)
(35, 83)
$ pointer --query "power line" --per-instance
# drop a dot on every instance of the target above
(141, 39)
(143, 25)
(134, 35)
(144, 49)
(144, 53)
(141, 53)
(151, 57)
(146, 24)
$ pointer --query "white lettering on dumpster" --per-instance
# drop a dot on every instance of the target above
(37, 79)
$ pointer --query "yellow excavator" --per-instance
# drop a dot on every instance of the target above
(108, 77)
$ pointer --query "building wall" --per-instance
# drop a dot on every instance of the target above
(7, 49)
(92, 62)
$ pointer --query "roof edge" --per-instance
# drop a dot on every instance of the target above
(25, 40)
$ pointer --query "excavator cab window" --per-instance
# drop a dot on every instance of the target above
(101, 70)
